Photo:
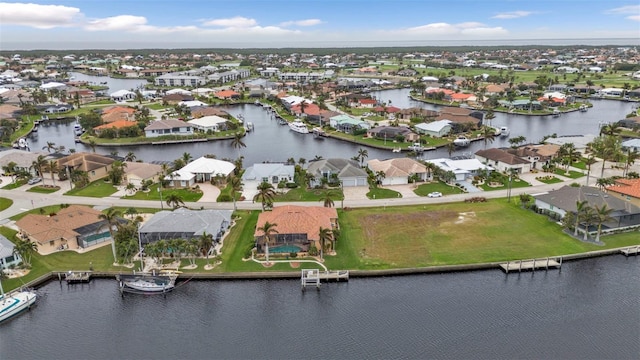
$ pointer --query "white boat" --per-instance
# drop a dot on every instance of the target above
(583, 108)
(299, 127)
(416, 146)
(15, 302)
(461, 141)
(504, 131)
(22, 143)
(148, 283)
(556, 112)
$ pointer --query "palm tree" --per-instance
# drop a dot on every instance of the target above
(174, 200)
(131, 212)
(488, 134)
(131, 188)
(630, 158)
(235, 184)
(603, 214)
(569, 155)
(186, 157)
(267, 230)
(612, 129)
(588, 216)
(327, 198)
(237, 142)
(53, 169)
(25, 249)
(265, 194)
(38, 164)
(206, 242)
(130, 157)
(581, 207)
(111, 217)
(92, 145)
(50, 146)
(451, 147)
(324, 235)
(362, 154)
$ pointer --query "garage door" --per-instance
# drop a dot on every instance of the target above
(349, 182)
(362, 181)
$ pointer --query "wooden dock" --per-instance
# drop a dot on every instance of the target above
(77, 277)
(532, 264)
(632, 250)
(313, 277)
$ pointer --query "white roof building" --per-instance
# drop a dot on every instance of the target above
(200, 170)
(52, 85)
(192, 103)
(461, 168)
(205, 123)
(178, 91)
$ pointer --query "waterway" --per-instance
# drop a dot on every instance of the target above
(272, 142)
(588, 310)
(113, 84)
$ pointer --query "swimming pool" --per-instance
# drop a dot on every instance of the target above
(284, 249)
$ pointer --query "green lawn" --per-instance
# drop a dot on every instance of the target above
(382, 193)
(14, 185)
(98, 188)
(5, 203)
(44, 190)
(302, 194)
(549, 179)
(516, 183)
(187, 195)
(439, 186)
(572, 174)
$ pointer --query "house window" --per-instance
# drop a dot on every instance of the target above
(93, 172)
(52, 243)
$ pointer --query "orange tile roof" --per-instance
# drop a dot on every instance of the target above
(44, 228)
(116, 124)
(226, 94)
(460, 96)
(291, 219)
(118, 109)
(629, 187)
(309, 109)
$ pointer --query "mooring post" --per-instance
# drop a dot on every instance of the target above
(59, 277)
(547, 268)
(520, 268)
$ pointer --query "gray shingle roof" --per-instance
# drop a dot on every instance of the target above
(342, 167)
(185, 221)
(566, 197)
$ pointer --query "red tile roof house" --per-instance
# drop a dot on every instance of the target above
(367, 103)
(626, 189)
(298, 227)
(71, 228)
(227, 94)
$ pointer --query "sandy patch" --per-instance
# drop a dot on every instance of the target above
(294, 264)
(190, 267)
(16, 273)
(465, 216)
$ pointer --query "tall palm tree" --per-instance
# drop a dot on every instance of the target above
(25, 249)
(131, 212)
(324, 235)
(92, 145)
(488, 135)
(206, 242)
(237, 142)
(569, 154)
(581, 206)
(130, 157)
(111, 217)
(630, 158)
(265, 194)
(174, 200)
(327, 198)
(235, 184)
(38, 164)
(612, 129)
(53, 169)
(603, 214)
(267, 230)
(362, 154)
(50, 146)
(186, 157)
(588, 217)
(451, 147)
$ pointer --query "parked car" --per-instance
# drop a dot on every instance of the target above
(34, 180)
(434, 194)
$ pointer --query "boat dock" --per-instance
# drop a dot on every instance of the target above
(632, 250)
(313, 277)
(531, 265)
(76, 277)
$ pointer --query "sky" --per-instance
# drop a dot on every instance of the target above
(116, 24)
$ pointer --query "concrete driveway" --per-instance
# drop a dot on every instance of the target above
(210, 192)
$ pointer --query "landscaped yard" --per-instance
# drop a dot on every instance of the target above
(302, 194)
(98, 188)
(14, 185)
(436, 186)
(44, 190)
(572, 174)
(549, 179)
(382, 193)
(187, 195)
(5, 203)
(515, 183)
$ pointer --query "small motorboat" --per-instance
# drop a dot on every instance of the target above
(416, 146)
(504, 131)
(461, 141)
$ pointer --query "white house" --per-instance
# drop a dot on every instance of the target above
(167, 127)
(206, 123)
(438, 128)
(462, 169)
(271, 173)
(503, 161)
(122, 95)
(397, 171)
(200, 170)
(178, 91)
(633, 144)
(346, 171)
(611, 92)
(7, 257)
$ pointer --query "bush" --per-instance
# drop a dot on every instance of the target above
(224, 198)
(293, 255)
(291, 185)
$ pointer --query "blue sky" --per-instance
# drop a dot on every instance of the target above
(60, 24)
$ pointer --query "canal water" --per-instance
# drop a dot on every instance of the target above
(588, 310)
(272, 142)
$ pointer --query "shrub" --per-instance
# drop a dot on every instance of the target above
(291, 185)
(293, 254)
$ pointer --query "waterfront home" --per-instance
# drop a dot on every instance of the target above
(208, 111)
(538, 155)
(563, 201)
(462, 169)
(310, 110)
(95, 165)
(631, 144)
(393, 133)
(503, 161)
(632, 122)
(581, 142)
(626, 189)
(70, 228)
(347, 124)
(122, 95)
(227, 95)
(54, 108)
(168, 127)
(7, 257)
(137, 173)
(200, 170)
(23, 159)
(337, 171)
(209, 123)
(272, 173)
(185, 224)
(521, 104)
(412, 113)
(435, 129)
(176, 98)
(117, 113)
(397, 171)
(116, 125)
(298, 227)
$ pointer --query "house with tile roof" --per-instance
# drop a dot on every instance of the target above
(626, 189)
(186, 224)
(95, 165)
(463, 168)
(397, 171)
(435, 129)
(272, 173)
(200, 170)
(298, 227)
(502, 160)
(138, 172)
(168, 127)
(345, 171)
(72, 228)
(209, 123)
(227, 94)
(7, 257)
(116, 125)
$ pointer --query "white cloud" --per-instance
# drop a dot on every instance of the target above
(634, 17)
(120, 22)
(512, 14)
(629, 9)
(307, 22)
(235, 22)
(467, 29)
(38, 16)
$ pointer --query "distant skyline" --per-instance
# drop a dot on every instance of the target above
(117, 24)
